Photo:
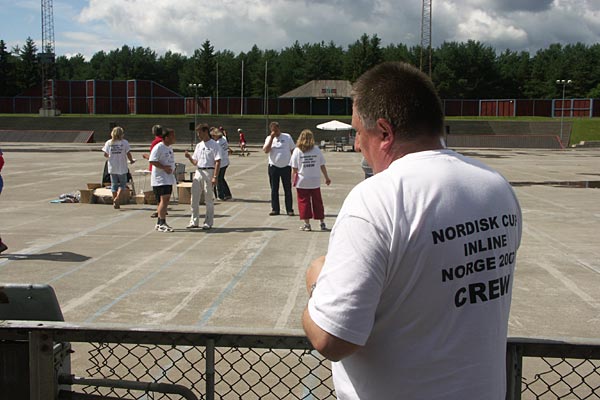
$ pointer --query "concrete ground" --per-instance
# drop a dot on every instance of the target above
(111, 266)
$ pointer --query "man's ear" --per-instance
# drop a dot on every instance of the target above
(386, 133)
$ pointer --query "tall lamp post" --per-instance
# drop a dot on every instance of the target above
(195, 86)
(564, 83)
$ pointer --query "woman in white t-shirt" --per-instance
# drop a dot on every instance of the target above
(162, 179)
(307, 165)
(117, 151)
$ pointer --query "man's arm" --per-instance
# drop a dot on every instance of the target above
(216, 173)
(157, 164)
(269, 143)
(330, 346)
(189, 157)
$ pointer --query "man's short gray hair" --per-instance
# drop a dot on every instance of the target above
(403, 96)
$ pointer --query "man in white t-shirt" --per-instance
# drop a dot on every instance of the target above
(207, 160)
(279, 147)
(413, 297)
(162, 179)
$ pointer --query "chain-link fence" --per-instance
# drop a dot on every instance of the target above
(112, 362)
(553, 369)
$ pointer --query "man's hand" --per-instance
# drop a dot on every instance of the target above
(313, 271)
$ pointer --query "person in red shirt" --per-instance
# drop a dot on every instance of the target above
(243, 143)
(2, 245)
(157, 131)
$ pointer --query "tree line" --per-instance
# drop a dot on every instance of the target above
(460, 70)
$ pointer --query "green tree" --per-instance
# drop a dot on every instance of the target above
(362, 55)
(546, 68)
(579, 67)
(290, 68)
(74, 68)
(514, 70)
(7, 72)
(103, 67)
(465, 70)
(207, 69)
(229, 74)
(254, 70)
(27, 66)
(398, 52)
(323, 61)
(594, 89)
(168, 70)
(200, 68)
(270, 59)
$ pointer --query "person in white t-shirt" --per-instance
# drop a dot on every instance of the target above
(413, 297)
(307, 165)
(222, 188)
(162, 179)
(117, 151)
(279, 147)
(207, 160)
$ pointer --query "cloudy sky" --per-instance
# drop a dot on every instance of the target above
(182, 25)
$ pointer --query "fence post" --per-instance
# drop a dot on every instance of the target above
(41, 366)
(210, 369)
(514, 371)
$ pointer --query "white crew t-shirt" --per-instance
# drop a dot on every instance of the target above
(164, 155)
(419, 271)
(309, 165)
(224, 145)
(117, 156)
(207, 153)
(281, 150)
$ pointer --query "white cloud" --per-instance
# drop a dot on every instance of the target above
(490, 29)
(236, 25)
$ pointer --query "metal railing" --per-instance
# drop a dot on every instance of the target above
(553, 368)
(174, 363)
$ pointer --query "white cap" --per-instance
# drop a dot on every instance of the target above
(239, 129)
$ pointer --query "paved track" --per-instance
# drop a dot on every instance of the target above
(110, 266)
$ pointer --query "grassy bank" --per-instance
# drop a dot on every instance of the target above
(584, 129)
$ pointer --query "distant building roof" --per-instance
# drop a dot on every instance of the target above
(324, 88)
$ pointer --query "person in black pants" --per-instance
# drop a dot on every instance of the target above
(279, 147)
(221, 189)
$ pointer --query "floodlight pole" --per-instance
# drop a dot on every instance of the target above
(195, 86)
(564, 83)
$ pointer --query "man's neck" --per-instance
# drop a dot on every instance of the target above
(402, 149)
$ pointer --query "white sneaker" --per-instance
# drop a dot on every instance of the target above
(164, 228)
(305, 227)
(192, 226)
(206, 227)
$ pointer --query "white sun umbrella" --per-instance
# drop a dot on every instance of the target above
(334, 125)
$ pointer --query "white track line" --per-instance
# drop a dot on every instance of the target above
(298, 283)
